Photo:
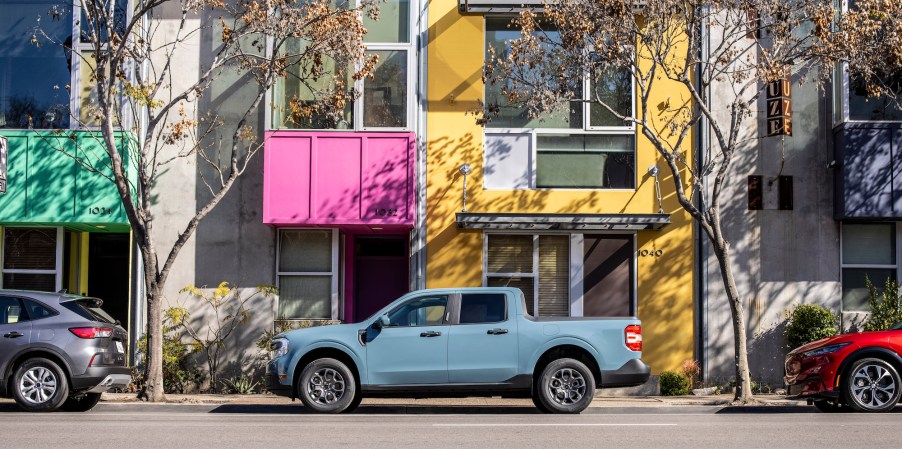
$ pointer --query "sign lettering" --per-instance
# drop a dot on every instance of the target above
(779, 108)
(4, 148)
(387, 212)
(99, 210)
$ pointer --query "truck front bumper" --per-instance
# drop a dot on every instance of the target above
(632, 373)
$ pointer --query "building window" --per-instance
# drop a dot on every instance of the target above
(38, 81)
(32, 258)
(308, 274)
(385, 101)
(868, 252)
(565, 274)
(580, 145)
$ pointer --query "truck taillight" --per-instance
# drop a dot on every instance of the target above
(632, 336)
(91, 332)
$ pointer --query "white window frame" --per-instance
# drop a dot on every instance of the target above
(57, 271)
(586, 129)
(357, 110)
(897, 228)
(75, 77)
(335, 273)
(576, 269)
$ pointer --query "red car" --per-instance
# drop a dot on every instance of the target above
(852, 371)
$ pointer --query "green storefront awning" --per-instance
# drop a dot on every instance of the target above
(46, 186)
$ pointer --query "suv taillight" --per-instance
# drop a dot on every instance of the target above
(91, 332)
(632, 336)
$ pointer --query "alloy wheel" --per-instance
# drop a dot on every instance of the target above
(325, 386)
(567, 386)
(873, 386)
(37, 385)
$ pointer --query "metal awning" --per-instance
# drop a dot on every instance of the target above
(578, 222)
(513, 6)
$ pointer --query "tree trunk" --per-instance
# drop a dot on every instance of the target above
(743, 393)
(153, 363)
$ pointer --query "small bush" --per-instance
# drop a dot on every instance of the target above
(886, 306)
(690, 369)
(810, 322)
(673, 384)
(240, 385)
(180, 373)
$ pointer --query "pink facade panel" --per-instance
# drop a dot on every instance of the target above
(338, 179)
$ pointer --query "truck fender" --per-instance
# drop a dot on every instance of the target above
(332, 344)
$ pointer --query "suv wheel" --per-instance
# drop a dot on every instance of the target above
(565, 386)
(39, 385)
(81, 403)
(872, 385)
(327, 386)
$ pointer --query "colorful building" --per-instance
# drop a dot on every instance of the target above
(563, 206)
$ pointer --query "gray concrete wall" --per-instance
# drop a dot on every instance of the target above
(231, 244)
(780, 258)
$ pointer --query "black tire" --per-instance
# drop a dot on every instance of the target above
(31, 386)
(538, 402)
(565, 386)
(826, 406)
(354, 404)
(871, 385)
(327, 386)
(81, 403)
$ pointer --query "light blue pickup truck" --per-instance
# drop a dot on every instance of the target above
(457, 343)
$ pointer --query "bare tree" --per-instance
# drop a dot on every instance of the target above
(683, 48)
(140, 94)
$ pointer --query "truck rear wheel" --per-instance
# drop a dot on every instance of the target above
(565, 386)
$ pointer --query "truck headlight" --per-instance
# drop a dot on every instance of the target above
(279, 347)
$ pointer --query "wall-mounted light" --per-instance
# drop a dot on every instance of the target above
(465, 169)
(653, 171)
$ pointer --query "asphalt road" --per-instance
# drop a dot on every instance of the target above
(224, 427)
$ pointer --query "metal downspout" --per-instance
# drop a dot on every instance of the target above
(701, 253)
(419, 243)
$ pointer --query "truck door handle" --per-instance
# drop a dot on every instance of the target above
(14, 335)
(430, 334)
(497, 331)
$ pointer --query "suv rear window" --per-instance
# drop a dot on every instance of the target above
(87, 310)
(478, 308)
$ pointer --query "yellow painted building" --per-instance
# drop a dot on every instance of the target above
(536, 216)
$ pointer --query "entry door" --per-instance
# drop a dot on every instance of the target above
(483, 346)
(108, 275)
(380, 273)
(413, 348)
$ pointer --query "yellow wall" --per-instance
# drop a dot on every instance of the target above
(454, 258)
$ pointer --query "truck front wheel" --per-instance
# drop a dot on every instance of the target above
(565, 386)
(327, 386)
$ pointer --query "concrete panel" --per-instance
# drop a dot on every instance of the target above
(508, 161)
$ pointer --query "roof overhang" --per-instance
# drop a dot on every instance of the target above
(563, 222)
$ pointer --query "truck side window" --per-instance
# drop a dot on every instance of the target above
(425, 311)
(478, 308)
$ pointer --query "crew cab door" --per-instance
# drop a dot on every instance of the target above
(412, 348)
(482, 347)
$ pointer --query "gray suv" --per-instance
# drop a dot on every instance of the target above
(59, 351)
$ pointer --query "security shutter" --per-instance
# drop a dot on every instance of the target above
(509, 254)
(29, 258)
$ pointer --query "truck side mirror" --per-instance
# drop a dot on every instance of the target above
(381, 322)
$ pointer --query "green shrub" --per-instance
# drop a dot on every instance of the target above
(240, 385)
(673, 384)
(809, 322)
(886, 306)
(180, 373)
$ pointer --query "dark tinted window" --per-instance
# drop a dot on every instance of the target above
(88, 311)
(36, 311)
(482, 308)
(11, 311)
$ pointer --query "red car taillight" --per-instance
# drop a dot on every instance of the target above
(91, 332)
(632, 335)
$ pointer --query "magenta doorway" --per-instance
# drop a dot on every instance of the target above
(381, 272)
